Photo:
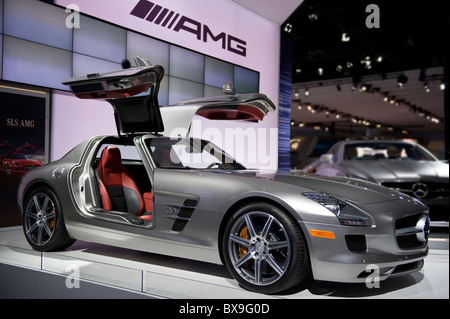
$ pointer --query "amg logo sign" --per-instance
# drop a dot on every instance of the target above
(169, 19)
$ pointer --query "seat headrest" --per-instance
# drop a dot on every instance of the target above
(111, 160)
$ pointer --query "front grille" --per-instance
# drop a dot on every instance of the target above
(410, 233)
(356, 243)
(434, 189)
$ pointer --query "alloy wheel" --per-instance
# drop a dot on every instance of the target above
(39, 219)
(259, 248)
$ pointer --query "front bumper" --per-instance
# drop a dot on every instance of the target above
(355, 253)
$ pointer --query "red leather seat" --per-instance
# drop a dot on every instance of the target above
(118, 190)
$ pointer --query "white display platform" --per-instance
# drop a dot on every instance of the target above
(110, 272)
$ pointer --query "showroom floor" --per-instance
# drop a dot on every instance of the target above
(88, 270)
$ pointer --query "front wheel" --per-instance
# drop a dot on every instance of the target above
(264, 249)
(43, 222)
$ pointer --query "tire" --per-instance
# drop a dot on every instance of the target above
(264, 249)
(43, 221)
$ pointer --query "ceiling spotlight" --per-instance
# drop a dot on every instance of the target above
(339, 68)
(313, 16)
(345, 37)
(298, 70)
(435, 120)
(426, 88)
(367, 62)
(320, 71)
(442, 86)
(307, 92)
(349, 64)
(380, 59)
(288, 28)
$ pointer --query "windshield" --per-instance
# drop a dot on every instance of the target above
(189, 153)
(385, 150)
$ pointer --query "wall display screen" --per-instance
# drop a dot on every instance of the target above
(45, 52)
(23, 144)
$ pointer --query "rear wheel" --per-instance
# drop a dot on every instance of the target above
(264, 249)
(43, 221)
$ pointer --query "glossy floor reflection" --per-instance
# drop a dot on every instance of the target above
(111, 269)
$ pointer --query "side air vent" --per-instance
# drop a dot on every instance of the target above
(184, 215)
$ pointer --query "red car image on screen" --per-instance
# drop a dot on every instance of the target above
(18, 163)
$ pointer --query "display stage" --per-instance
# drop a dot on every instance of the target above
(87, 270)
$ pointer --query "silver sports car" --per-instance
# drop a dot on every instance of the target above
(402, 165)
(185, 197)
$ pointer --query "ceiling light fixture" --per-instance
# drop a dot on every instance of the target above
(288, 28)
(313, 16)
(345, 37)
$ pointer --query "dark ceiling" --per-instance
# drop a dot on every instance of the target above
(357, 94)
(411, 35)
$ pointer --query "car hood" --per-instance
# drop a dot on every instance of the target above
(353, 190)
(389, 170)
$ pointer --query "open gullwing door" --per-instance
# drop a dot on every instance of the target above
(132, 92)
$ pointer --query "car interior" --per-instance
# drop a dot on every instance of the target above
(123, 183)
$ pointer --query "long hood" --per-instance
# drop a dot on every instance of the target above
(387, 170)
(353, 190)
(278, 183)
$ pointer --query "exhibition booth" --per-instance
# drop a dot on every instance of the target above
(200, 44)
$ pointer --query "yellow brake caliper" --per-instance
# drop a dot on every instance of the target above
(242, 249)
(51, 222)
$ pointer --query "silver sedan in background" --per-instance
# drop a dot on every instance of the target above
(402, 165)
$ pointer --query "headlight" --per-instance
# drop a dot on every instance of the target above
(347, 213)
